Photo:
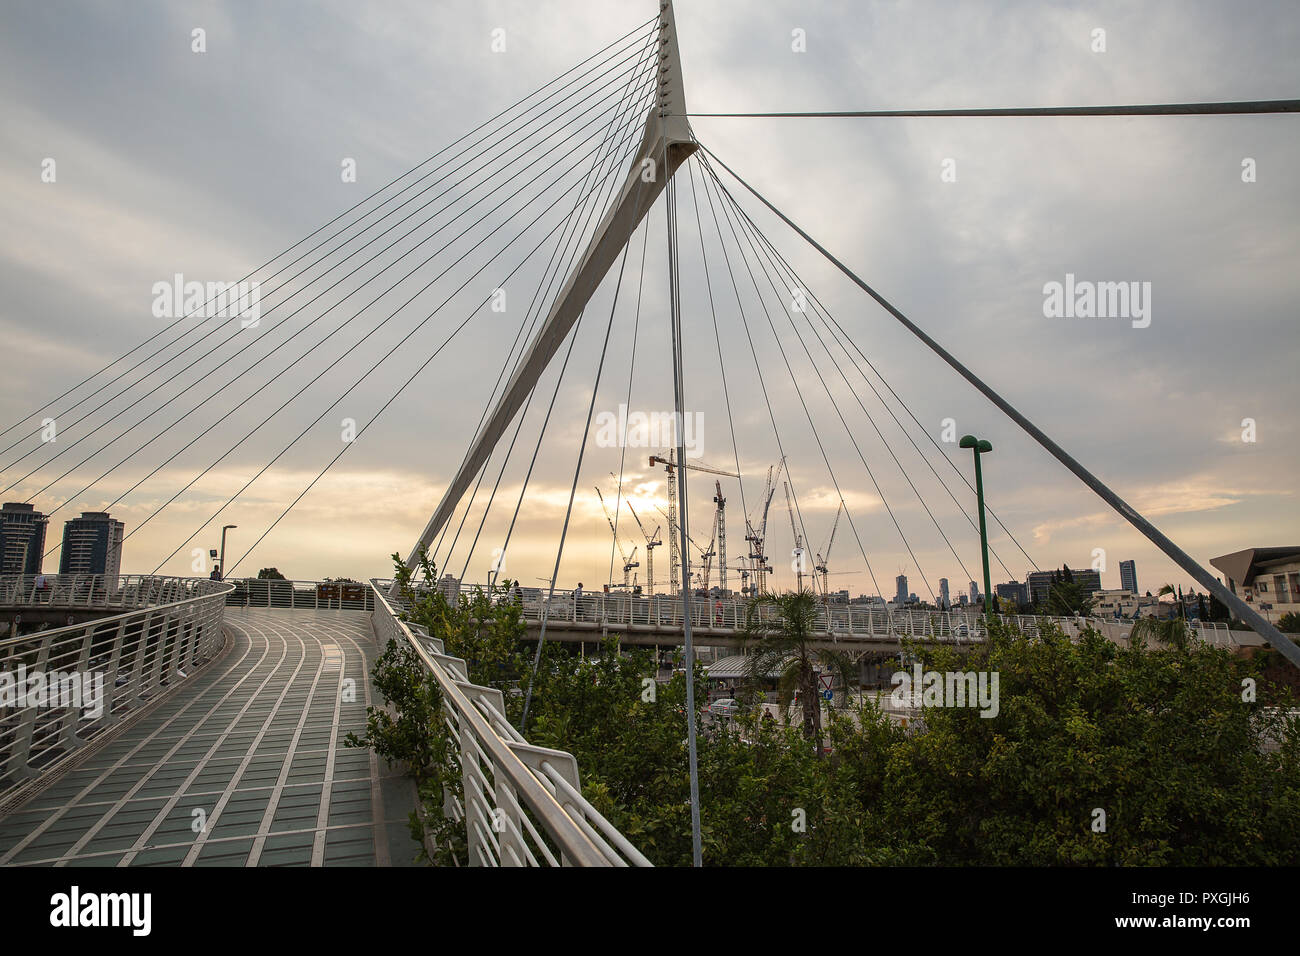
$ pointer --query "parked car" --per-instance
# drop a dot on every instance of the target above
(725, 707)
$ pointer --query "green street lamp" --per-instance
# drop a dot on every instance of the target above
(224, 529)
(981, 447)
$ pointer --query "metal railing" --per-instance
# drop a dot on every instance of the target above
(321, 595)
(60, 687)
(90, 591)
(618, 611)
(521, 805)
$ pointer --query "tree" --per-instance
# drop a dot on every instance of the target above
(1289, 623)
(270, 574)
(782, 642)
(1067, 599)
(1167, 632)
(1179, 610)
(1157, 735)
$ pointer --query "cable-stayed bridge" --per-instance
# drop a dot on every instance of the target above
(549, 203)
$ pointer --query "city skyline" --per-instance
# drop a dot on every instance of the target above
(1194, 474)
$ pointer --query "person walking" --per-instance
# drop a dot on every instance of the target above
(577, 602)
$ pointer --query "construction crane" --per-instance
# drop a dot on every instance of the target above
(652, 541)
(757, 538)
(797, 553)
(822, 568)
(744, 572)
(629, 561)
(674, 548)
(706, 554)
(720, 534)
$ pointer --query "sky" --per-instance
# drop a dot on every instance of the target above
(167, 160)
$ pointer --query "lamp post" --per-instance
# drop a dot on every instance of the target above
(226, 528)
(981, 447)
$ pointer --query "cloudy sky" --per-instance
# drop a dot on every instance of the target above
(207, 164)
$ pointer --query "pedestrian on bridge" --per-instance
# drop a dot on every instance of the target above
(577, 602)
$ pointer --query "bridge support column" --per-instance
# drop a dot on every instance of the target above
(666, 143)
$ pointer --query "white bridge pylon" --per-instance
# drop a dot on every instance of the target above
(666, 143)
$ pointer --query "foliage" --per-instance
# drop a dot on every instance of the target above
(400, 733)
(270, 574)
(783, 642)
(1067, 598)
(1289, 623)
(1158, 735)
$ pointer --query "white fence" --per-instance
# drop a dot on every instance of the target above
(617, 610)
(319, 595)
(522, 805)
(61, 686)
(91, 591)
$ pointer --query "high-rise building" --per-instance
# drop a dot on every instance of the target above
(974, 593)
(944, 602)
(1013, 591)
(1128, 576)
(900, 593)
(92, 544)
(1040, 582)
(22, 538)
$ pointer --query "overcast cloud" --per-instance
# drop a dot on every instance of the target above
(207, 164)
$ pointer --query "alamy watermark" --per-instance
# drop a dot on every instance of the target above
(54, 689)
(650, 430)
(1084, 299)
(229, 300)
(920, 688)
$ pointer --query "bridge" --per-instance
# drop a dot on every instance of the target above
(216, 736)
(202, 721)
(656, 620)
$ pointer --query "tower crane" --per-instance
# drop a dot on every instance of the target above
(706, 554)
(798, 539)
(652, 541)
(823, 557)
(629, 561)
(674, 547)
(757, 538)
(720, 534)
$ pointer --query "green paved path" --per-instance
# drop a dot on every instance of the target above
(253, 740)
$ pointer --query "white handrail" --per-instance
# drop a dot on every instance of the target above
(523, 776)
(88, 675)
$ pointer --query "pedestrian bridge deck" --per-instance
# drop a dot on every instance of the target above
(243, 766)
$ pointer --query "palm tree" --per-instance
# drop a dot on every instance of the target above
(1178, 607)
(1169, 632)
(782, 643)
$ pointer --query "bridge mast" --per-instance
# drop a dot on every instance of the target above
(665, 144)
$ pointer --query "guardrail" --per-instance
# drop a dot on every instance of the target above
(60, 687)
(617, 610)
(89, 591)
(522, 805)
(322, 595)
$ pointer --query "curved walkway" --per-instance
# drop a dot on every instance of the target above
(246, 766)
